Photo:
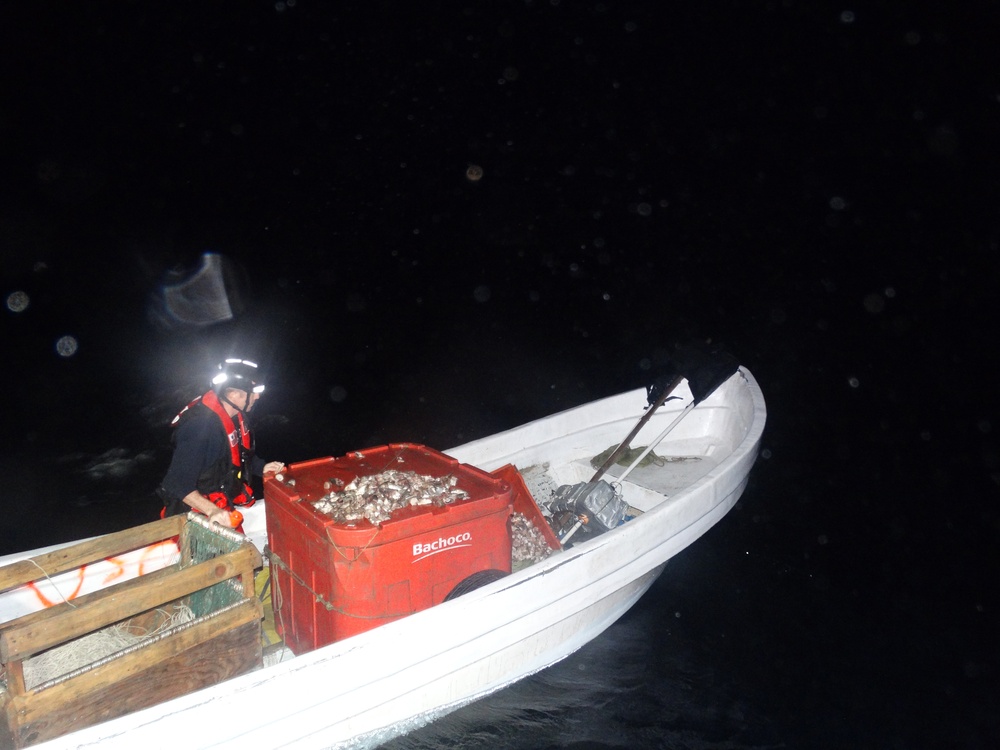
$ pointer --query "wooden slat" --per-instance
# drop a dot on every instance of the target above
(14, 675)
(204, 654)
(44, 615)
(8, 723)
(41, 630)
(83, 553)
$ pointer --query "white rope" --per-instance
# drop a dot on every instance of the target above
(91, 648)
(47, 578)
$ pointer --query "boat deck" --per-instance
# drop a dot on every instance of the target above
(687, 462)
(684, 470)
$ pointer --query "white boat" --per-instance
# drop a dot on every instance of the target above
(371, 687)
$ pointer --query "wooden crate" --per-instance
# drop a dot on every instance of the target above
(203, 652)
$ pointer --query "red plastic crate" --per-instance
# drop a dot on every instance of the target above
(523, 502)
(332, 580)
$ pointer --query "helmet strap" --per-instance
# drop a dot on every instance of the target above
(243, 411)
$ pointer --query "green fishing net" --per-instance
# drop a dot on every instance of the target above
(627, 457)
(199, 543)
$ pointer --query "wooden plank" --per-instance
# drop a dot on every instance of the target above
(41, 630)
(8, 722)
(116, 670)
(184, 544)
(72, 557)
(204, 654)
(14, 675)
(43, 615)
(38, 631)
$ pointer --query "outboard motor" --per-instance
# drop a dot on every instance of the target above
(599, 506)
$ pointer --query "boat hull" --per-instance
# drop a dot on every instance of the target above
(366, 689)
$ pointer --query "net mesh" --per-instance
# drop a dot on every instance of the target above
(200, 543)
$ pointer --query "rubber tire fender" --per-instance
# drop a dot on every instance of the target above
(475, 581)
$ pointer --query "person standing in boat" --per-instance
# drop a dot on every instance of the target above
(214, 459)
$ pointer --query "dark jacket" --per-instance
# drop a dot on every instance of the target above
(203, 460)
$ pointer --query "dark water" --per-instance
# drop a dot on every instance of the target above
(813, 186)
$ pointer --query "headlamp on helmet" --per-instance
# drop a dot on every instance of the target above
(237, 373)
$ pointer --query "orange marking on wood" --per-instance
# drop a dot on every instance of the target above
(41, 597)
(120, 564)
(172, 542)
(46, 602)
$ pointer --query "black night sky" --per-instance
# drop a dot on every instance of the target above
(432, 221)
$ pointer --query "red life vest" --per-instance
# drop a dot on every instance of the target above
(240, 447)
